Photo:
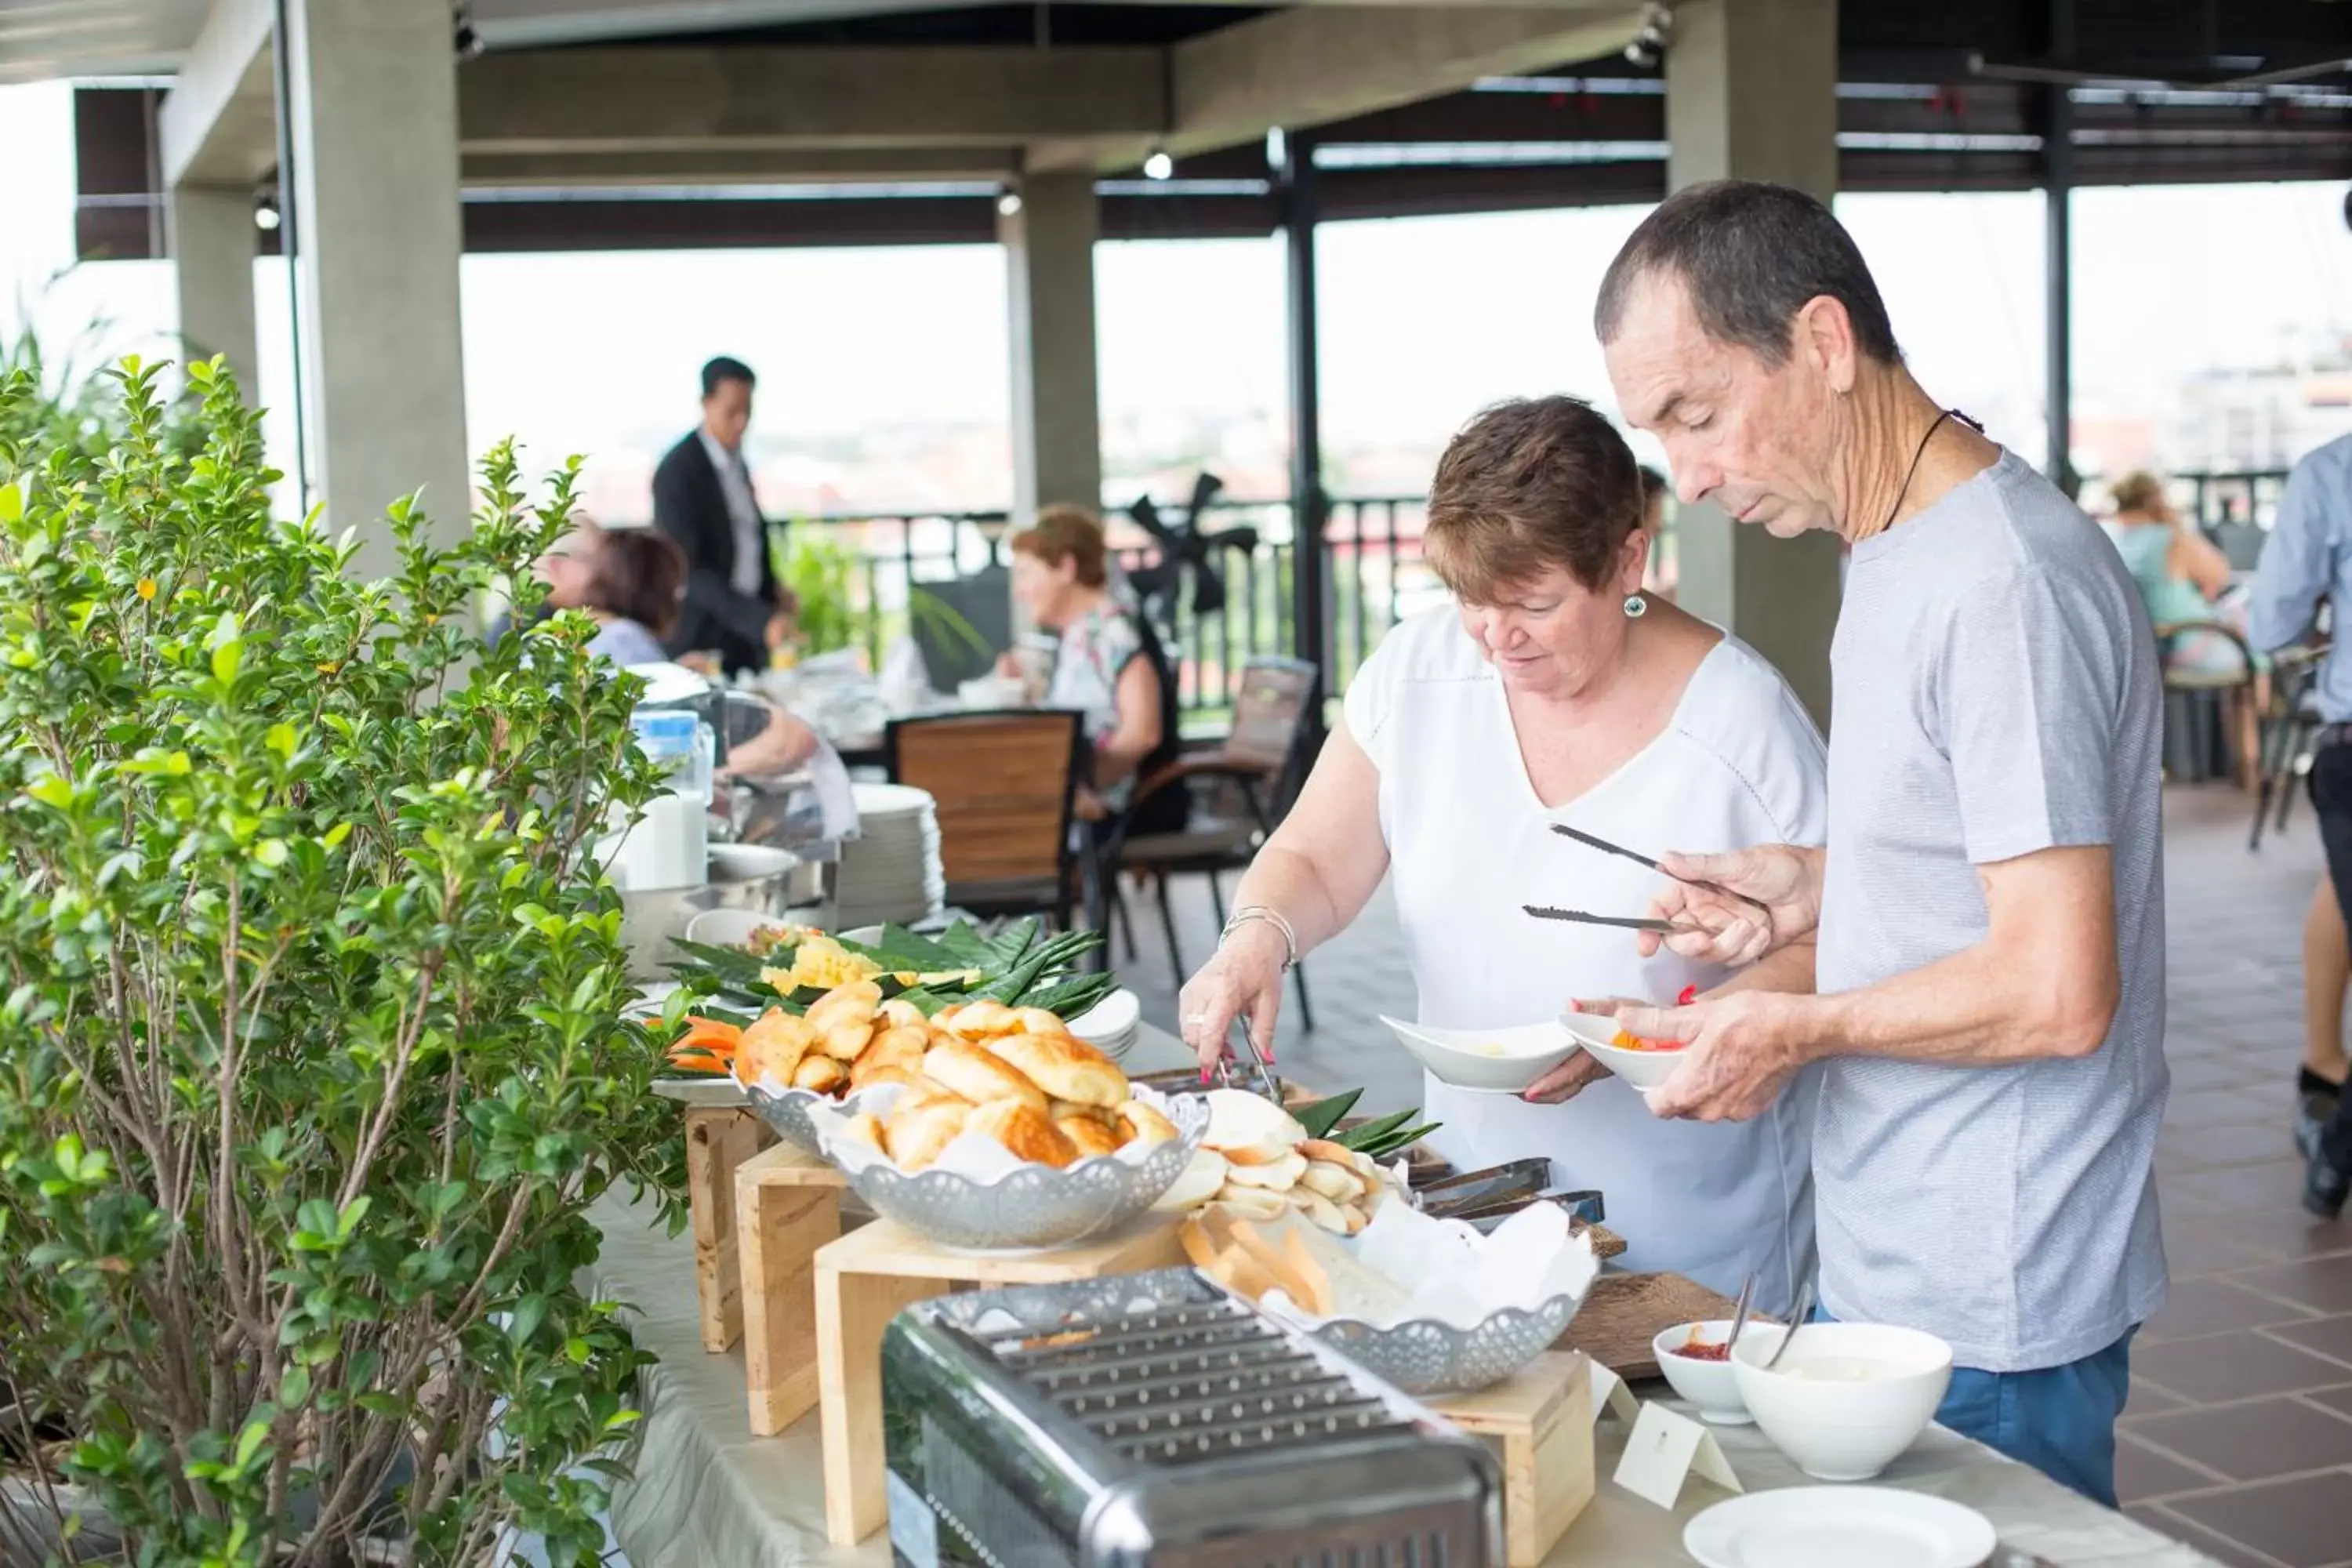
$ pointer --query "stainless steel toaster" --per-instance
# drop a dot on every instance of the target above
(1156, 1419)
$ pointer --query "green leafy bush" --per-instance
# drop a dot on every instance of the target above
(311, 1055)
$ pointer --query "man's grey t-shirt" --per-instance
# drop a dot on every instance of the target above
(1995, 692)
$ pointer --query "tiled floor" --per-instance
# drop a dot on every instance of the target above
(2239, 1435)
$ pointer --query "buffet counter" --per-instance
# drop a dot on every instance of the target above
(708, 1494)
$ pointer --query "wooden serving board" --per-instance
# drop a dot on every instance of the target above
(1625, 1313)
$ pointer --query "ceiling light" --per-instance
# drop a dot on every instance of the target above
(265, 211)
(1657, 31)
(1009, 205)
(1159, 166)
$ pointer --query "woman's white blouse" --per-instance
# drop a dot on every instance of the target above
(1739, 764)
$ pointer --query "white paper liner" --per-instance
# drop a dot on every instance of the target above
(1461, 1277)
(975, 1156)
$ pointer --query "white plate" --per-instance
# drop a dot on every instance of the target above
(1840, 1527)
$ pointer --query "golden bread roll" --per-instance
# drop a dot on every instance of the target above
(1280, 1176)
(1058, 1109)
(847, 1040)
(901, 1048)
(1024, 1130)
(1091, 1136)
(852, 1003)
(914, 1138)
(975, 1020)
(926, 1092)
(821, 1073)
(864, 1129)
(773, 1047)
(1144, 1123)
(980, 1075)
(888, 1072)
(898, 1014)
(1064, 1068)
(1037, 1021)
(1252, 1203)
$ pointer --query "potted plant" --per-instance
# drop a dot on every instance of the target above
(311, 1053)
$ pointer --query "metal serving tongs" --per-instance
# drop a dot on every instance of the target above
(1589, 842)
(1267, 1087)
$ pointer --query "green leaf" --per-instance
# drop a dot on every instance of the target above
(226, 657)
(270, 852)
(281, 738)
(12, 503)
(528, 1313)
(51, 791)
(1323, 1115)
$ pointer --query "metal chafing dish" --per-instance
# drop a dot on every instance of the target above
(1153, 1419)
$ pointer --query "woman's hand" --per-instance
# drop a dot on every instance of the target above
(1243, 979)
(1784, 878)
(1566, 1082)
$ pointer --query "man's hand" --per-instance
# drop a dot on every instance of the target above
(1743, 1049)
(1569, 1080)
(1785, 880)
(781, 625)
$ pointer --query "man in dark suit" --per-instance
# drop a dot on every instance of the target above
(703, 500)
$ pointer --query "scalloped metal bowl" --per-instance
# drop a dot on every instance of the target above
(1425, 1356)
(1036, 1205)
(787, 1114)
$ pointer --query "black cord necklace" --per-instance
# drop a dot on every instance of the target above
(1921, 451)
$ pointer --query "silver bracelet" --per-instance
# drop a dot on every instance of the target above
(1249, 912)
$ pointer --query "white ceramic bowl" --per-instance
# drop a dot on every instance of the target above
(728, 928)
(1709, 1384)
(1642, 1069)
(1502, 1062)
(1847, 1397)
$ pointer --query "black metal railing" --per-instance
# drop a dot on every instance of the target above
(1373, 578)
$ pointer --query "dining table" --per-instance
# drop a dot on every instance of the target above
(706, 1493)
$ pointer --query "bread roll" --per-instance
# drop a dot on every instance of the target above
(891, 1072)
(1091, 1136)
(1064, 1068)
(900, 1013)
(980, 1076)
(1024, 1130)
(1252, 1203)
(976, 1020)
(1037, 1021)
(864, 1129)
(1324, 1149)
(773, 1047)
(915, 1137)
(1339, 1182)
(901, 1047)
(1280, 1176)
(854, 1001)
(1142, 1122)
(821, 1073)
(1058, 1109)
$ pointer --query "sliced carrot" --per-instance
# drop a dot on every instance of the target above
(698, 1061)
(708, 1035)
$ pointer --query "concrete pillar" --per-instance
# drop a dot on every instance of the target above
(1752, 93)
(1049, 247)
(210, 234)
(373, 92)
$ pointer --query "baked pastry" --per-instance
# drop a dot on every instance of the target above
(900, 1046)
(852, 1003)
(1024, 1131)
(1058, 1109)
(981, 1076)
(1091, 1136)
(976, 1020)
(1145, 1124)
(1064, 1068)
(821, 1073)
(898, 1013)
(915, 1137)
(773, 1047)
(844, 1039)
(864, 1129)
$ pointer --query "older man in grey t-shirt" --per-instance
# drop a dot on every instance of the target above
(1988, 913)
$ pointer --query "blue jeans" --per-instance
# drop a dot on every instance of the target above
(2059, 1419)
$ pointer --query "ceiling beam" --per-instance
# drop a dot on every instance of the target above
(781, 165)
(219, 124)
(694, 98)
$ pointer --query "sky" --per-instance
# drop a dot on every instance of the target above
(1423, 321)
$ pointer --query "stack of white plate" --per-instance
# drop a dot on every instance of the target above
(1111, 1024)
(890, 871)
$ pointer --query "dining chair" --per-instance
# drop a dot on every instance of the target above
(1004, 783)
(1240, 789)
(2287, 733)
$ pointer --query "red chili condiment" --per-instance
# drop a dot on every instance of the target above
(1700, 1350)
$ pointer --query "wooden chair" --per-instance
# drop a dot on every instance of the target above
(2211, 716)
(1004, 784)
(1241, 789)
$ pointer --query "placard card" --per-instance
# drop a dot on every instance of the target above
(1612, 1397)
(1665, 1448)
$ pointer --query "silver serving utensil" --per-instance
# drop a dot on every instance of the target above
(1589, 842)
(1628, 923)
(1265, 1084)
(1803, 1309)
(1739, 1310)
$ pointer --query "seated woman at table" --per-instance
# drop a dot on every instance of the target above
(1555, 692)
(631, 582)
(1109, 667)
(2184, 578)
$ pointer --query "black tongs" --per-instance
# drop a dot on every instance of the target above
(1631, 923)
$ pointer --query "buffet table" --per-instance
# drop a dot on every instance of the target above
(707, 1494)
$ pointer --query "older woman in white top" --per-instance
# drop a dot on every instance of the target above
(1556, 692)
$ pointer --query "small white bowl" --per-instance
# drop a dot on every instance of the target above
(1500, 1061)
(1709, 1384)
(1642, 1069)
(1847, 1398)
(728, 928)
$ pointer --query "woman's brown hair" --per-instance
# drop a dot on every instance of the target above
(1067, 533)
(1529, 485)
(634, 573)
(2139, 491)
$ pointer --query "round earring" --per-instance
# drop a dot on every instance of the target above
(1636, 607)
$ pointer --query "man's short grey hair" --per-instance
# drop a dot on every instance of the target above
(1750, 256)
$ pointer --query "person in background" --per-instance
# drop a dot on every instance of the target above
(2307, 559)
(630, 581)
(2184, 578)
(703, 500)
(1109, 667)
(1988, 913)
(1660, 576)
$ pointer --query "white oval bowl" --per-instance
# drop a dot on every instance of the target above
(1842, 1431)
(1711, 1385)
(1642, 1069)
(1501, 1061)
